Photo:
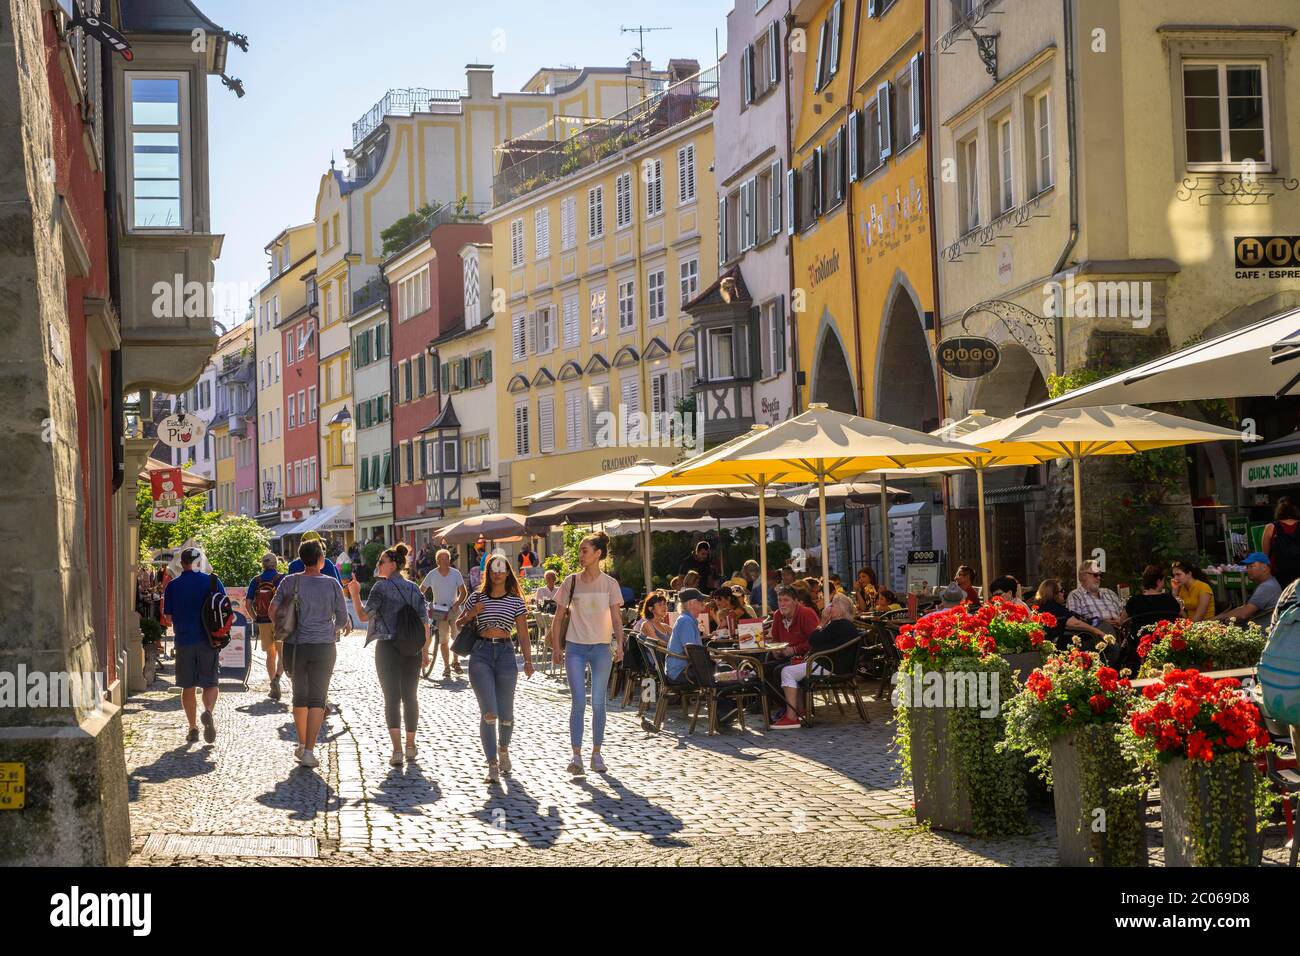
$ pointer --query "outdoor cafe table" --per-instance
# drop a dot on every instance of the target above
(759, 655)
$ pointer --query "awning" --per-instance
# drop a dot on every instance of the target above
(909, 510)
(416, 524)
(280, 530)
(333, 518)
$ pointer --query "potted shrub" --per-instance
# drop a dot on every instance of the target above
(1204, 645)
(949, 725)
(1018, 632)
(1203, 737)
(1067, 719)
(151, 636)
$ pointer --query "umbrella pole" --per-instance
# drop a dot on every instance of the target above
(645, 541)
(984, 547)
(1078, 517)
(761, 487)
(826, 556)
(886, 576)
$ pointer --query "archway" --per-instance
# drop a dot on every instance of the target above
(906, 391)
(832, 382)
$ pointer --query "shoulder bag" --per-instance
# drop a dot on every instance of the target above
(466, 638)
(286, 622)
(563, 628)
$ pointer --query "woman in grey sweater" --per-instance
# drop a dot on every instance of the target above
(320, 612)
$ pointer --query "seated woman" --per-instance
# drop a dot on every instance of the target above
(1154, 604)
(724, 612)
(864, 590)
(742, 602)
(654, 618)
(1048, 599)
(1193, 591)
(838, 630)
(887, 601)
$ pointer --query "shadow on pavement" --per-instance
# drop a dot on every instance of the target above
(516, 810)
(406, 789)
(632, 812)
(183, 762)
(304, 795)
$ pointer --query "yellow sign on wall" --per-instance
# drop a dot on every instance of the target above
(13, 786)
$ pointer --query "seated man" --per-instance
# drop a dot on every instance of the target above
(686, 630)
(1266, 593)
(839, 629)
(1099, 606)
(950, 597)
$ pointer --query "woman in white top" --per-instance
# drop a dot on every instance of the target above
(594, 638)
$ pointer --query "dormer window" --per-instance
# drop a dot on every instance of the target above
(159, 156)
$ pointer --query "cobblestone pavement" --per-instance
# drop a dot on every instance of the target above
(827, 795)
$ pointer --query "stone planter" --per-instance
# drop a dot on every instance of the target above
(1087, 774)
(941, 784)
(1207, 812)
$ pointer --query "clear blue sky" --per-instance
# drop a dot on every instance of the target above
(314, 68)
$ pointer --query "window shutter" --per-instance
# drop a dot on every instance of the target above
(791, 201)
(837, 29)
(773, 52)
(841, 157)
(545, 425)
(444, 377)
(818, 185)
(821, 55)
(917, 105)
(519, 338)
(722, 230)
(873, 8)
(465, 379)
(597, 406)
(487, 366)
(854, 136)
(747, 75)
(530, 347)
(885, 121)
(774, 199)
(421, 376)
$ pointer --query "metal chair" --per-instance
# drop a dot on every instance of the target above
(832, 682)
(681, 689)
(703, 672)
(1280, 768)
(880, 659)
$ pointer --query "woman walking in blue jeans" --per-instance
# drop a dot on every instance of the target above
(498, 607)
(594, 639)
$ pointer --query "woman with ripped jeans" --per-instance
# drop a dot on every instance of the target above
(498, 607)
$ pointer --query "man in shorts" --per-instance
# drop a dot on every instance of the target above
(257, 603)
(446, 591)
(196, 658)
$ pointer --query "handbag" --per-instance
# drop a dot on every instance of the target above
(466, 638)
(562, 629)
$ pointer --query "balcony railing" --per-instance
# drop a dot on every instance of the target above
(372, 293)
(567, 144)
(419, 227)
(402, 103)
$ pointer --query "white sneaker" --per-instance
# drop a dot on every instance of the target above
(297, 752)
(308, 759)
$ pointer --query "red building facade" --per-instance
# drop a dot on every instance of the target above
(426, 299)
(301, 410)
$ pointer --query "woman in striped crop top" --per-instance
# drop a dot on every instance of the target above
(498, 608)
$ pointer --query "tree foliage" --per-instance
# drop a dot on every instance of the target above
(234, 546)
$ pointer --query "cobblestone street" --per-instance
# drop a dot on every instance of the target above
(827, 795)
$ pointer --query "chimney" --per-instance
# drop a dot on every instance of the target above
(478, 80)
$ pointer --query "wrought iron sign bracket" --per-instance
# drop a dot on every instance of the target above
(1033, 333)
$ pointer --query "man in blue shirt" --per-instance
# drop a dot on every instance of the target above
(686, 630)
(196, 658)
(296, 566)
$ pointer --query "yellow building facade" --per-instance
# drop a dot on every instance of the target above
(292, 256)
(594, 351)
(228, 353)
(862, 251)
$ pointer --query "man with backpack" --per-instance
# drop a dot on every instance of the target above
(191, 603)
(257, 602)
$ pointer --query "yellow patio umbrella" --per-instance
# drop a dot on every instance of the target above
(1076, 433)
(817, 445)
(958, 431)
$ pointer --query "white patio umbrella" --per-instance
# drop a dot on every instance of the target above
(1258, 360)
(817, 445)
(1078, 433)
(610, 486)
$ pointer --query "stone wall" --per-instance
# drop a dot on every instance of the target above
(76, 811)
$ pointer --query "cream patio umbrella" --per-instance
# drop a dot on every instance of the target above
(1078, 433)
(505, 526)
(621, 485)
(817, 445)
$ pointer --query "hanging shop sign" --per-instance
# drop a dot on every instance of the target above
(1283, 470)
(968, 356)
(167, 489)
(181, 430)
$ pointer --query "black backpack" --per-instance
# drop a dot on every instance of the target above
(407, 624)
(217, 615)
(1284, 553)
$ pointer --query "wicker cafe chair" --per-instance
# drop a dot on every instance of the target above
(749, 683)
(831, 682)
(879, 659)
(666, 691)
